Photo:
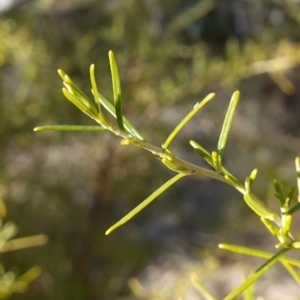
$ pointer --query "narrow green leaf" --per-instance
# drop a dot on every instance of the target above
(110, 108)
(259, 207)
(69, 128)
(287, 222)
(253, 176)
(172, 165)
(61, 73)
(202, 152)
(145, 203)
(294, 209)
(217, 161)
(22, 243)
(78, 98)
(270, 226)
(90, 111)
(187, 118)
(247, 185)
(95, 89)
(202, 289)
(291, 192)
(296, 245)
(116, 83)
(279, 194)
(31, 275)
(290, 196)
(73, 99)
(258, 253)
(74, 90)
(228, 121)
(255, 275)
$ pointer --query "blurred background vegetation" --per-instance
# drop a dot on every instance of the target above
(73, 186)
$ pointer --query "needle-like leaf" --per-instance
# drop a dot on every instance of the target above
(202, 152)
(69, 128)
(187, 118)
(259, 207)
(73, 89)
(294, 209)
(94, 88)
(146, 202)
(252, 177)
(258, 253)
(88, 110)
(116, 83)
(228, 121)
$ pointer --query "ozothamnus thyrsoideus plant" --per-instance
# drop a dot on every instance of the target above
(278, 225)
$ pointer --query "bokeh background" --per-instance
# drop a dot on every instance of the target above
(73, 186)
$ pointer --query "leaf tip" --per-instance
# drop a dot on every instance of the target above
(61, 73)
(110, 54)
(210, 96)
(236, 94)
(193, 143)
(92, 68)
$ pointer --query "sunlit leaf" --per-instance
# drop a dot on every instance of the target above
(253, 176)
(145, 203)
(228, 121)
(258, 253)
(202, 152)
(217, 161)
(21, 243)
(259, 207)
(270, 226)
(187, 118)
(95, 89)
(88, 110)
(74, 90)
(30, 275)
(116, 83)
(69, 128)
(287, 222)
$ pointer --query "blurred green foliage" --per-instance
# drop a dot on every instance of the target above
(170, 54)
(11, 282)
